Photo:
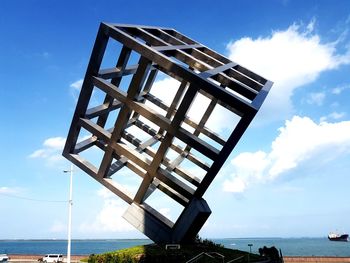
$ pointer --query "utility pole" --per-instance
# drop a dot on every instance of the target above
(70, 204)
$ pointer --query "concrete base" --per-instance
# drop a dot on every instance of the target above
(150, 222)
(161, 230)
(191, 221)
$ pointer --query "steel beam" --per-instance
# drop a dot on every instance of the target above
(159, 126)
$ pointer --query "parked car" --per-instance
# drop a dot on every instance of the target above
(4, 258)
(51, 258)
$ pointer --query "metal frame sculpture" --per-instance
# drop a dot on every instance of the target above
(199, 70)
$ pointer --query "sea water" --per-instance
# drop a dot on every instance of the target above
(291, 246)
(288, 246)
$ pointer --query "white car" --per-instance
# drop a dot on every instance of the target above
(52, 258)
(4, 258)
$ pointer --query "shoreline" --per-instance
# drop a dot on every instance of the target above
(287, 259)
(34, 258)
(315, 259)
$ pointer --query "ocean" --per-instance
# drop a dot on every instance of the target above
(288, 246)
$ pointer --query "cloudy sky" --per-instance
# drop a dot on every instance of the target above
(287, 177)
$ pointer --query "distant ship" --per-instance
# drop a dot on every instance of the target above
(338, 237)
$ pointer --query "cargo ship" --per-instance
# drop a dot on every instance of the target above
(338, 237)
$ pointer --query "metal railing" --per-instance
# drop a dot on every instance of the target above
(235, 259)
(213, 255)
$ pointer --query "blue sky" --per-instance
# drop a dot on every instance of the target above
(288, 176)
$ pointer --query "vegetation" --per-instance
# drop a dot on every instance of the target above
(158, 254)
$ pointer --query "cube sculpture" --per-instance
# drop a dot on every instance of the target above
(133, 130)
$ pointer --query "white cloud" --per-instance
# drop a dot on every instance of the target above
(75, 88)
(56, 143)
(105, 193)
(316, 98)
(236, 185)
(8, 190)
(165, 89)
(244, 162)
(311, 26)
(337, 115)
(291, 59)
(77, 84)
(219, 120)
(340, 89)
(334, 115)
(51, 150)
(58, 227)
(38, 153)
(109, 219)
(300, 140)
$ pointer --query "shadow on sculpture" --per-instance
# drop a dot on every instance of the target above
(121, 126)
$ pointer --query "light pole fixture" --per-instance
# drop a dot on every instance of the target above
(250, 248)
(250, 251)
(70, 204)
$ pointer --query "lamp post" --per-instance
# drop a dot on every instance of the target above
(250, 251)
(250, 248)
(70, 204)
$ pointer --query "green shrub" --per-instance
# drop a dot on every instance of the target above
(158, 254)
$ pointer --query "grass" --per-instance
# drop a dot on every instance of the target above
(158, 254)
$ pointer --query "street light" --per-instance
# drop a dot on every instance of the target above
(250, 251)
(70, 203)
(250, 248)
